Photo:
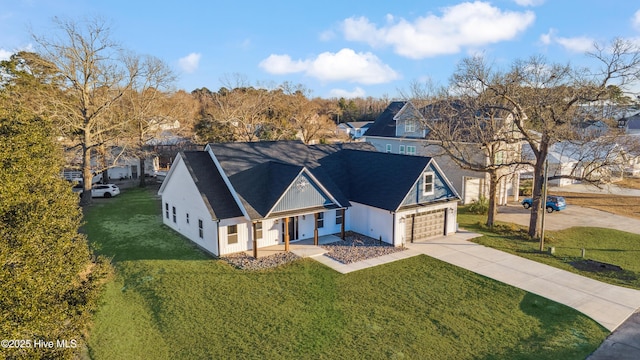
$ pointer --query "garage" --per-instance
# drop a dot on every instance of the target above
(425, 225)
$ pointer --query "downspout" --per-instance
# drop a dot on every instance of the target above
(218, 234)
(393, 229)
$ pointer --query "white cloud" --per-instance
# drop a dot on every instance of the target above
(636, 20)
(463, 25)
(345, 65)
(341, 93)
(576, 44)
(579, 44)
(282, 64)
(190, 63)
(529, 2)
(5, 54)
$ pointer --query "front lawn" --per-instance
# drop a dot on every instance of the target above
(607, 246)
(171, 301)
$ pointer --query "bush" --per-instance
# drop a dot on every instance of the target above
(480, 206)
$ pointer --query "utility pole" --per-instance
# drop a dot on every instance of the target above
(544, 201)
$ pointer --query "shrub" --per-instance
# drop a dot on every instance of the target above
(480, 206)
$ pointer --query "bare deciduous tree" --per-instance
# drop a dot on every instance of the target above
(95, 73)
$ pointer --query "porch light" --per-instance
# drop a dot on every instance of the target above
(450, 210)
(402, 220)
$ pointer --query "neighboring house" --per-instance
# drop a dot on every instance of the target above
(235, 197)
(119, 164)
(400, 130)
(355, 129)
(569, 162)
(631, 124)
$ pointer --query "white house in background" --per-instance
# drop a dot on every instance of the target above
(400, 130)
(235, 197)
(354, 129)
(120, 166)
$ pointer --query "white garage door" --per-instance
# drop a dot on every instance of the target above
(425, 225)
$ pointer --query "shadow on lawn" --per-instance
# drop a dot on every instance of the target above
(568, 343)
(129, 227)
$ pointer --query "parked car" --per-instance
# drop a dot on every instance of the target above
(105, 190)
(554, 203)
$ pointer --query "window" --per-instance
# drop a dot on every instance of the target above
(411, 150)
(499, 158)
(339, 217)
(187, 218)
(401, 149)
(320, 221)
(166, 210)
(173, 209)
(410, 126)
(388, 148)
(258, 226)
(200, 229)
(232, 234)
(427, 183)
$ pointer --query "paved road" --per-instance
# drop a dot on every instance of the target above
(570, 217)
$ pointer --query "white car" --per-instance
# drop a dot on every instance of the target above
(104, 190)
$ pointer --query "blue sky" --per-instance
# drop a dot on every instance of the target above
(334, 48)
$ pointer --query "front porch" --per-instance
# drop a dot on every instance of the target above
(301, 248)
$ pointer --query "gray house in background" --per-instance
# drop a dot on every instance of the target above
(400, 129)
(631, 124)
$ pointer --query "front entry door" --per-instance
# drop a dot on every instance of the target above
(293, 229)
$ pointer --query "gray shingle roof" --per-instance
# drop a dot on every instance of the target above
(212, 187)
(260, 172)
(384, 124)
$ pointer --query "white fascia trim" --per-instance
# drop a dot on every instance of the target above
(166, 179)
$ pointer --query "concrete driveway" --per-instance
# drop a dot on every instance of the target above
(570, 217)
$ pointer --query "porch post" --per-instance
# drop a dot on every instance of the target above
(315, 229)
(286, 234)
(255, 239)
(342, 225)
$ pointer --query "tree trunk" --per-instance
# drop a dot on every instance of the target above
(493, 191)
(87, 176)
(536, 192)
(143, 181)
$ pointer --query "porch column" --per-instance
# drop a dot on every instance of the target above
(315, 229)
(342, 225)
(286, 234)
(255, 239)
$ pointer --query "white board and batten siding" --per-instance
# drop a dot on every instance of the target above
(182, 194)
(371, 221)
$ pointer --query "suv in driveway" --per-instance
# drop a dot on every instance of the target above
(554, 203)
(105, 190)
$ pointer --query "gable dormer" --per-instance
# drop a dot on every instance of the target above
(409, 122)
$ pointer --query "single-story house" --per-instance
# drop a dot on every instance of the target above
(235, 197)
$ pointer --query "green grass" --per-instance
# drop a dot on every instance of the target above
(170, 301)
(604, 245)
